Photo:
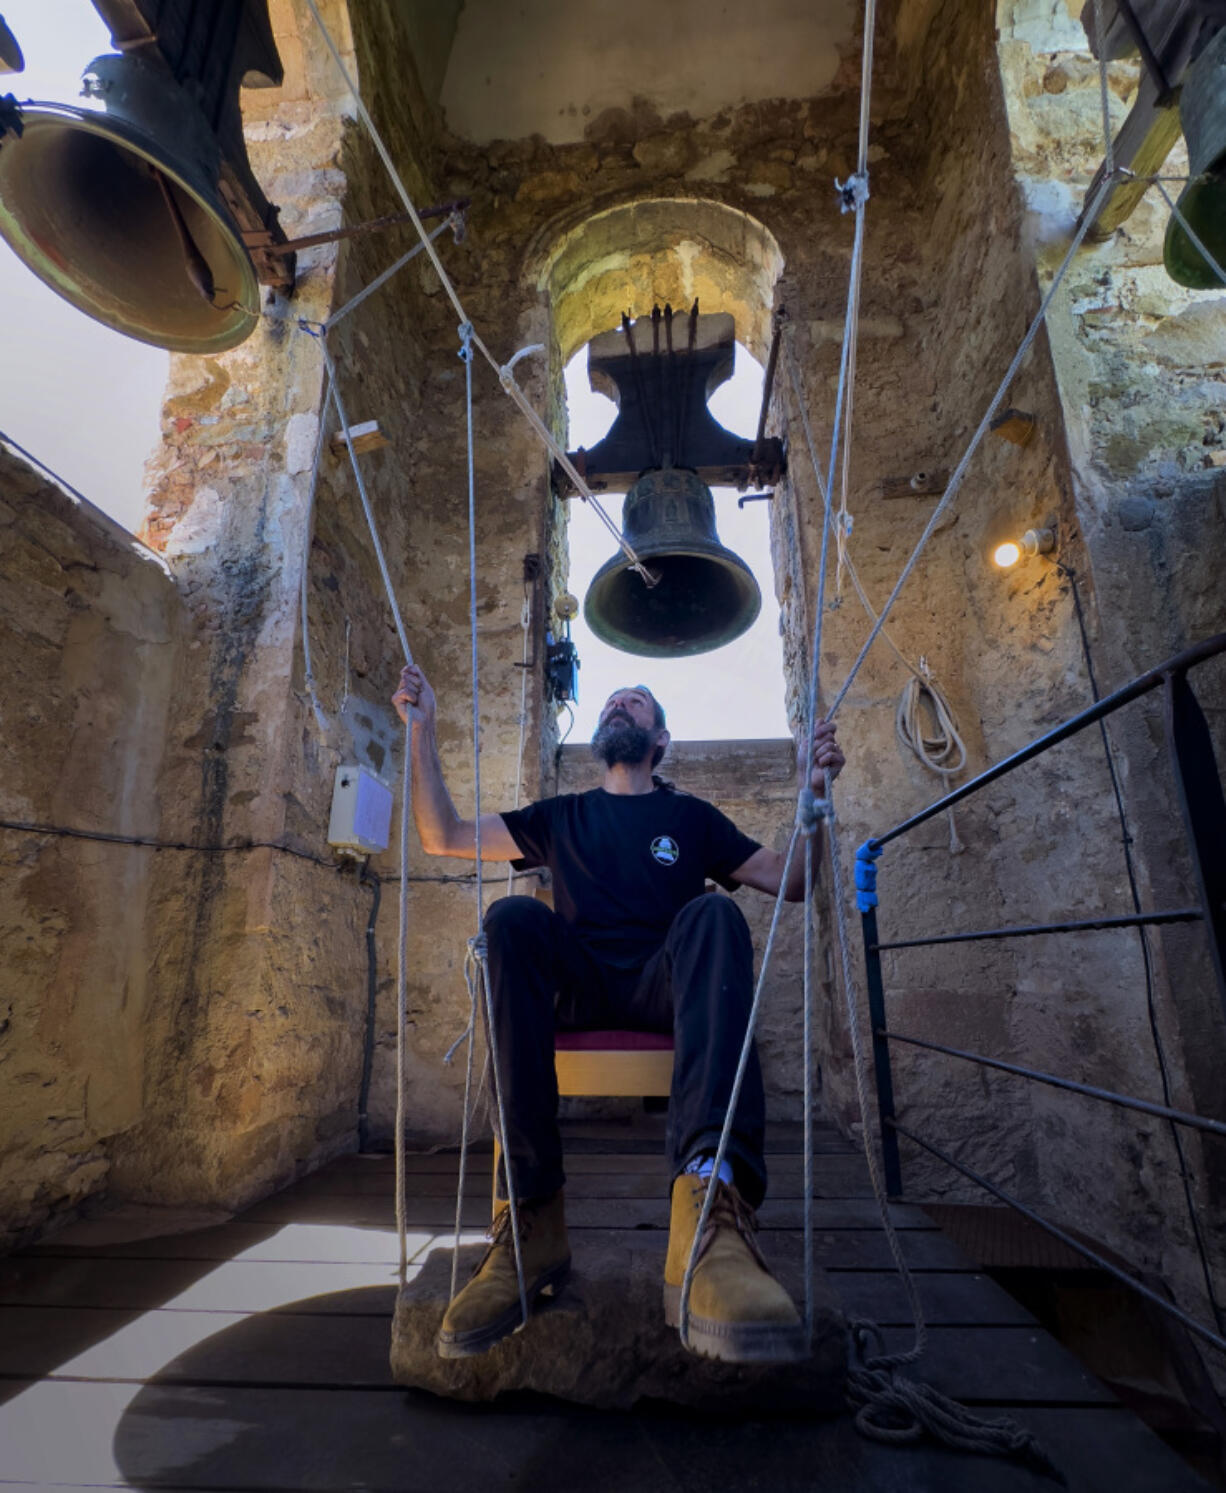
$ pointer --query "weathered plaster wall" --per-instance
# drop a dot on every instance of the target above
(1141, 369)
(91, 622)
(255, 1037)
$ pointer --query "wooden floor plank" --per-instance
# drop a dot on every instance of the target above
(837, 1245)
(842, 1176)
(594, 1213)
(198, 1347)
(946, 1298)
(277, 1439)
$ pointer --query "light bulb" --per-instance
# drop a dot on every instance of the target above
(1006, 555)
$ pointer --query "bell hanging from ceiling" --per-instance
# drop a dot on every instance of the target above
(662, 451)
(114, 203)
(704, 597)
(1202, 113)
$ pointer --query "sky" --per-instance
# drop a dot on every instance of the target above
(86, 401)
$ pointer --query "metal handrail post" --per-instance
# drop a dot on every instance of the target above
(890, 1160)
(1199, 790)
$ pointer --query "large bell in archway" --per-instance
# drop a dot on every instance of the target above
(114, 204)
(1202, 113)
(705, 596)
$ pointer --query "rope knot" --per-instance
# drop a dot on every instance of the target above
(479, 946)
(465, 331)
(866, 875)
(811, 810)
(853, 193)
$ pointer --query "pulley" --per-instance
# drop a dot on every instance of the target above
(705, 595)
(1202, 113)
(114, 203)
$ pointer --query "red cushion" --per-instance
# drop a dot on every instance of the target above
(613, 1042)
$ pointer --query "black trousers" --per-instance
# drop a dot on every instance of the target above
(698, 986)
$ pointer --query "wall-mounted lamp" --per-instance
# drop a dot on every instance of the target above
(1032, 542)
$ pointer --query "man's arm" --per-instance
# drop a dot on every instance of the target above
(764, 868)
(440, 828)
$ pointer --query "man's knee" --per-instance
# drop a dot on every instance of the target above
(709, 915)
(511, 919)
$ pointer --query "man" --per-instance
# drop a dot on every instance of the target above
(631, 943)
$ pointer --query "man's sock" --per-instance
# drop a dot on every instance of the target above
(703, 1165)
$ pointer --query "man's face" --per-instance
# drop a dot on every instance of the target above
(626, 731)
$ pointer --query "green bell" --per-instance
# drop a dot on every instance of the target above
(1202, 112)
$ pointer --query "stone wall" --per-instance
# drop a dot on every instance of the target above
(92, 623)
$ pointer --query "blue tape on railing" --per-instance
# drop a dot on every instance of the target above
(866, 875)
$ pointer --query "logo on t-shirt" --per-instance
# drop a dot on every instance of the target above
(665, 849)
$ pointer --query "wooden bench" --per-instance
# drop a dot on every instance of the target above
(609, 1065)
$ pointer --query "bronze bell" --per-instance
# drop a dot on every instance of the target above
(1202, 113)
(705, 595)
(114, 204)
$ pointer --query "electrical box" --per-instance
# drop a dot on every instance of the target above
(361, 812)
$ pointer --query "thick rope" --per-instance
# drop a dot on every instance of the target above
(900, 1412)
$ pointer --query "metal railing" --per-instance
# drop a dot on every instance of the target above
(1203, 806)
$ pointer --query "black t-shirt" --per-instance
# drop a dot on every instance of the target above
(624, 864)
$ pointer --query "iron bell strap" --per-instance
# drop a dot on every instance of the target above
(114, 204)
(1202, 113)
(705, 596)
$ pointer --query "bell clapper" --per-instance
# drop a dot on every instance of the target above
(197, 266)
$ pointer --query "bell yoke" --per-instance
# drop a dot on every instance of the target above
(634, 941)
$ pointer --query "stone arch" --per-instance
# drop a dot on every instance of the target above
(639, 254)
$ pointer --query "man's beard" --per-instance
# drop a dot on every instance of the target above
(619, 740)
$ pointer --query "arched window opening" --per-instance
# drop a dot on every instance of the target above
(734, 693)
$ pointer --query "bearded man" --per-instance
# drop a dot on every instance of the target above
(631, 943)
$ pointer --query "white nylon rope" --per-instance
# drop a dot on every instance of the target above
(321, 719)
(504, 374)
(406, 800)
(955, 480)
(478, 942)
(945, 752)
(809, 810)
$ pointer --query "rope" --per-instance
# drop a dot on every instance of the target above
(525, 622)
(321, 720)
(922, 693)
(454, 221)
(959, 472)
(900, 1412)
(478, 945)
(1190, 231)
(722, 1149)
(402, 1000)
(504, 373)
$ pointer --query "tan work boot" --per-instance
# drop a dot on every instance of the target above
(488, 1308)
(738, 1310)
